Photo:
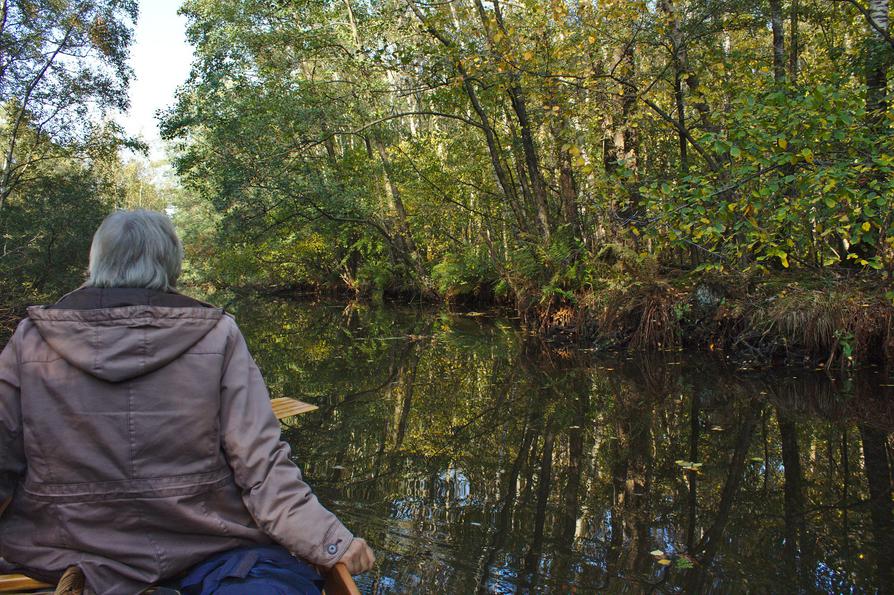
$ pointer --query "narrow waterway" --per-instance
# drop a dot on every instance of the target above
(475, 461)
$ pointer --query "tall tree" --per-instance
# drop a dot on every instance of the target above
(63, 66)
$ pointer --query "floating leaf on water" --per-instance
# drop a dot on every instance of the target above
(657, 553)
(664, 562)
(717, 429)
(756, 460)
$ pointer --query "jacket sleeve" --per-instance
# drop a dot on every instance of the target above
(272, 488)
(12, 452)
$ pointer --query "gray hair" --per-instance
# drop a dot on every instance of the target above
(135, 249)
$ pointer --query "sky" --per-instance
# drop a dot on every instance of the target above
(160, 58)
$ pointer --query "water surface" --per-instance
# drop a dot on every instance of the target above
(475, 460)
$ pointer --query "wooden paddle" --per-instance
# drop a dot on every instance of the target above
(338, 579)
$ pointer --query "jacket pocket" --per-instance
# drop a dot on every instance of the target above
(224, 505)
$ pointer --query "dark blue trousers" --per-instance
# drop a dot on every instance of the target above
(259, 570)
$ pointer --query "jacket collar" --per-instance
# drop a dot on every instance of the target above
(94, 298)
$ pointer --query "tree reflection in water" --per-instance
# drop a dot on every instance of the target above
(476, 461)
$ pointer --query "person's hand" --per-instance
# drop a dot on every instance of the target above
(359, 557)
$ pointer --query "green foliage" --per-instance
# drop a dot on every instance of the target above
(463, 274)
(46, 238)
(454, 147)
(63, 70)
(46, 231)
(63, 67)
(805, 182)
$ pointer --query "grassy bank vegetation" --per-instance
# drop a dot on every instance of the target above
(790, 319)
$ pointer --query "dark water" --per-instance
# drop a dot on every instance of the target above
(475, 461)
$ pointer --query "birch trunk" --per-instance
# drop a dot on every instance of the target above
(778, 40)
(877, 61)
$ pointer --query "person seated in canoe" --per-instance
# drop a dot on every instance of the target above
(137, 439)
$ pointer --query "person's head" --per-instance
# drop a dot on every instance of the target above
(135, 249)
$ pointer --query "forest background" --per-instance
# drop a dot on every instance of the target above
(650, 174)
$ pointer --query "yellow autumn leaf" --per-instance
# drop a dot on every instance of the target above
(866, 226)
(783, 144)
(528, 55)
(783, 257)
(664, 562)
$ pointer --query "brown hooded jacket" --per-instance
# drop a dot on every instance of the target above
(137, 439)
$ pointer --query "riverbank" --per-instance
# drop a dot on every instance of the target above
(757, 321)
(790, 319)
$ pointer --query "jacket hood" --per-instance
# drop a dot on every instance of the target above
(120, 343)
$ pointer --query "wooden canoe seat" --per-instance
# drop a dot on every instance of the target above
(338, 580)
(284, 407)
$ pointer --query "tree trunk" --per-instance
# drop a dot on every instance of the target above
(796, 549)
(538, 187)
(778, 40)
(682, 72)
(620, 146)
(529, 146)
(878, 476)
(681, 118)
(877, 62)
(794, 44)
(400, 212)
